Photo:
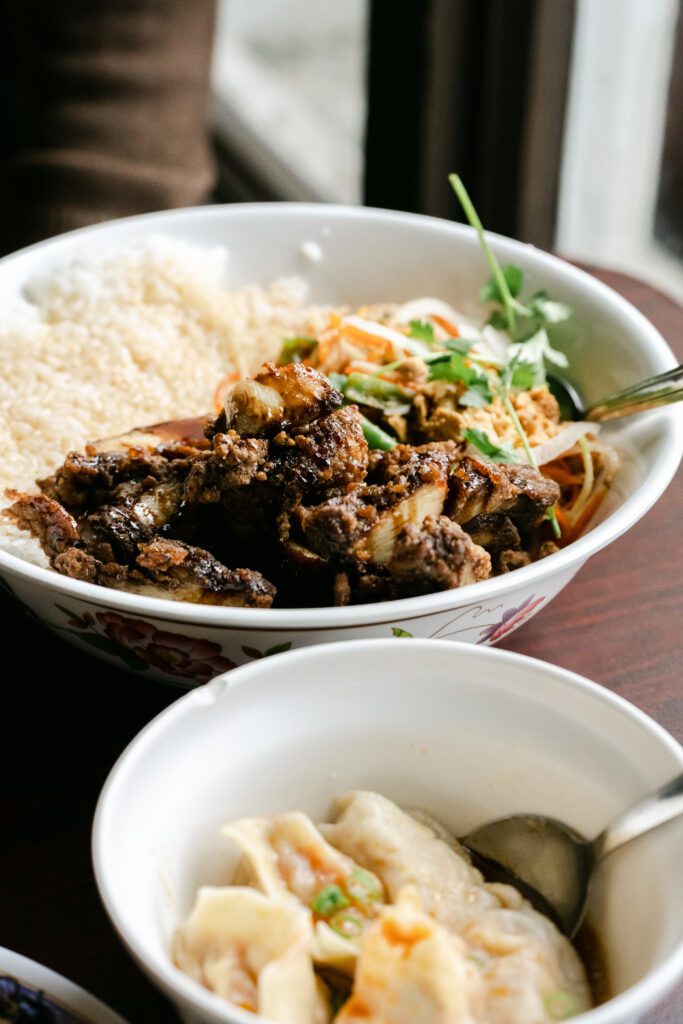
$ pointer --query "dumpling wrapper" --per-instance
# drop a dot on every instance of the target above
(526, 963)
(253, 951)
(524, 956)
(286, 856)
(399, 849)
(411, 970)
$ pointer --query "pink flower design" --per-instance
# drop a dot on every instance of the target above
(511, 618)
(174, 653)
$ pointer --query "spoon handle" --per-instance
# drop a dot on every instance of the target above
(656, 809)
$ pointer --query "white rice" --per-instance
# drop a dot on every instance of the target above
(133, 336)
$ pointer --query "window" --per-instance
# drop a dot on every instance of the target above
(289, 84)
(615, 207)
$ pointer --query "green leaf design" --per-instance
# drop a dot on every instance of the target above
(252, 652)
(278, 649)
(72, 616)
(397, 631)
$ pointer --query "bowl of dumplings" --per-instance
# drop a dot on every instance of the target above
(281, 844)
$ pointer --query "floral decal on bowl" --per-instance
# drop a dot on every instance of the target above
(511, 619)
(140, 645)
(22, 1004)
(255, 653)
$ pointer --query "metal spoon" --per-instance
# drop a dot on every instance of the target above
(652, 393)
(553, 860)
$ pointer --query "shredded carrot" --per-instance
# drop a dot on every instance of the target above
(559, 475)
(446, 324)
(570, 530)
(371, 342)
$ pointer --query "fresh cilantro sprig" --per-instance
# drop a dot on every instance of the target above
(421, 329)
(482, 441)
(525, 323)
(525, 364)
(452, 367)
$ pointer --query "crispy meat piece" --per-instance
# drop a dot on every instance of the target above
(46, 519)
(88, 479)
(333, 528)
(77, 564)
(506, 561)
(328, 455)
(407, 485)
(233, 462)
(405, 466)
(477, 488)
(185, 573)
(437, 555)
(113, 532)
(278, 398)
(493, 532)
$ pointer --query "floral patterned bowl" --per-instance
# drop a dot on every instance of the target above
(609, 345)
(33, 994)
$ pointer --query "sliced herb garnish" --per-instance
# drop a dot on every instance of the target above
(363, 887)
(559, 1005)
(348, 923)
(329, 900)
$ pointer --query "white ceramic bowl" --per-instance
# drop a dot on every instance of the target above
(37, 986)
(465, 732)
(369, 255)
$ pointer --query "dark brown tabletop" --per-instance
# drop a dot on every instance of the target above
(619, 622)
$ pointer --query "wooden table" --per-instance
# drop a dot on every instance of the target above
(620, 623)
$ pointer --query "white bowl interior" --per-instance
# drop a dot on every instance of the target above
(467, 733)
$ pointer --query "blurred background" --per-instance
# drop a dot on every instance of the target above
(564, 117)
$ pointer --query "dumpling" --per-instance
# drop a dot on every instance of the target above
(531, 973)
(402, 851)
(526, 964)
(287, 853)
(253, 951)
(286, 856)
(412, 969)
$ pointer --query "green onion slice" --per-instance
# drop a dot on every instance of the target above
(329, 900)
(348, 923)
(559, 1005)
(363, 887)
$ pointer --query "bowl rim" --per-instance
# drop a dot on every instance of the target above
(309, 620)
(626, 1006)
